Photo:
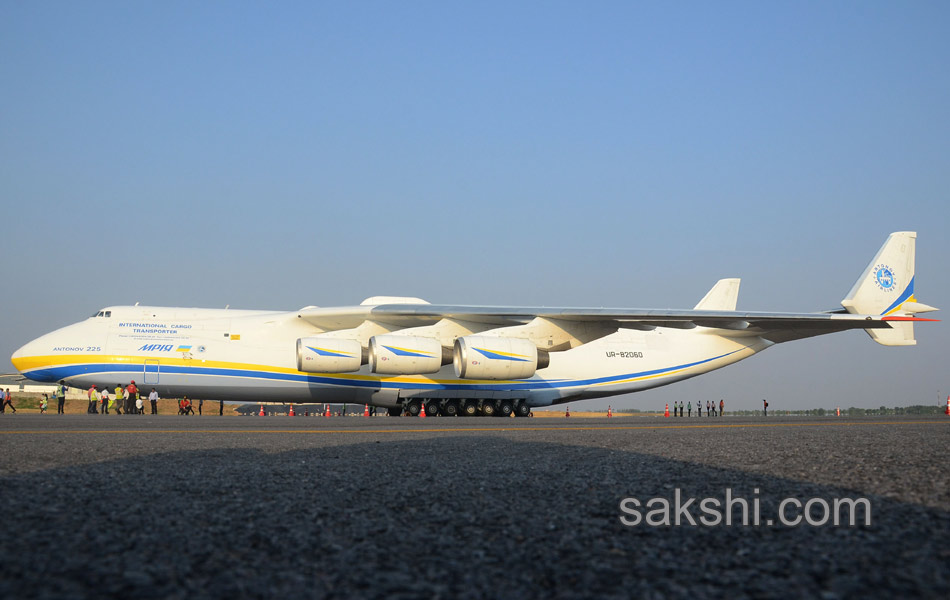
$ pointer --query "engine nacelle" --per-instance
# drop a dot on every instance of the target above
(328, 355)
(487, 357)
(404, 355)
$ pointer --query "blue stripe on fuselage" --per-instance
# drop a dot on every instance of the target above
(67, 371)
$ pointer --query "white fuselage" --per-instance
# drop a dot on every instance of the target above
(250, 356)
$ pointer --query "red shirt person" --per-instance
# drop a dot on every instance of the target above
(130, 397)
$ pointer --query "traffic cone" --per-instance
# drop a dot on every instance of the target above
(327, 415)
(567, 412)
(366, 410)
(262, 413)
(609, 412)
(422, 411)
(838, 411)
(292, 413)
(667, 413)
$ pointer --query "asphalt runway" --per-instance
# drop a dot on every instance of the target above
(248, 507)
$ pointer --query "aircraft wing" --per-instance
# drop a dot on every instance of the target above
(788, 325)
(621, 317)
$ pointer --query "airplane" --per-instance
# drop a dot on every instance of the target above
(404, 354)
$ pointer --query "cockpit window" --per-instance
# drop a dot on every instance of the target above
(102, 313)
(108, 313)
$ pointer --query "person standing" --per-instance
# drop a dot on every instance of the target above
(131, 395)
(689, 408)
(7, 401)
(699, 408)
(93, 396)
(105, 400)
(201, 403)
(220, 408)
(153, 400)
(61, 397)
(722, 406)
(765, 408)
(681, 408)
(119, 399)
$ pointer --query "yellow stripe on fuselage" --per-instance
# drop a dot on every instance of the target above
(29, 363)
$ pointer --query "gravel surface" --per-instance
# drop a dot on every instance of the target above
(236, 507)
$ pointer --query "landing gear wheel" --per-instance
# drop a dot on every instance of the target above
(469, 408)
(414, 408)
(522, 410)
(451, 409)
(432, 408)
(504, 408)
(488, 409)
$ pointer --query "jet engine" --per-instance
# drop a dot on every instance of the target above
(406, 355)
(487, 357)
(328, 355)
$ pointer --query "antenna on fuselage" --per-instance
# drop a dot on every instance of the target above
(136, 304)
(227, 306)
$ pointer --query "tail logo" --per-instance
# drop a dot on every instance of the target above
(884, 278)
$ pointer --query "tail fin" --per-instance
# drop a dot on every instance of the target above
(722, 296)
(886, 288)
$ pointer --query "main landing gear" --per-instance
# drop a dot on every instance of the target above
(467, 407)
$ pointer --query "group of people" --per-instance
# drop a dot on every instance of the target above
(126, 399)
(6, 400)
(185, 407)
(711, 409)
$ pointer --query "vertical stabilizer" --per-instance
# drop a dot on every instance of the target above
(722, 296)
(885, 286)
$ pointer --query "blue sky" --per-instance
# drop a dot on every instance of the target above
(586, 154)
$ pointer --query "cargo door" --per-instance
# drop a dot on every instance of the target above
(150, 376)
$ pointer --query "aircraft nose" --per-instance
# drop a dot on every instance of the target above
(22, 359)
(20, 354)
